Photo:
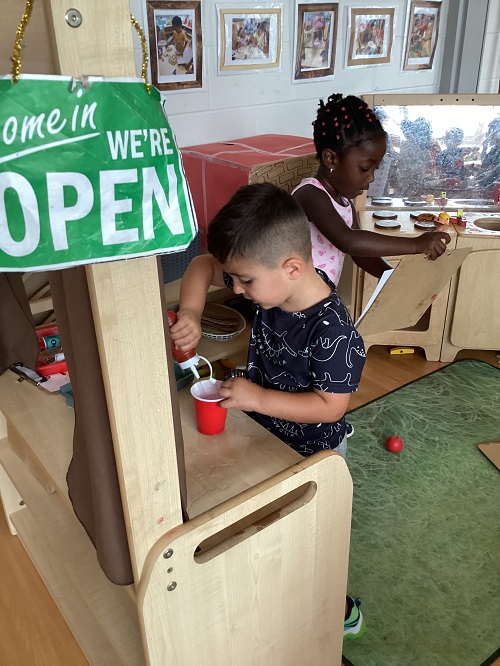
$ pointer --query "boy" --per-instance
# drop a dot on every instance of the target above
(180, 38)
(305, 357)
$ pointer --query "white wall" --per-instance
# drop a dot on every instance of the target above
(241, 105)
(489, 73)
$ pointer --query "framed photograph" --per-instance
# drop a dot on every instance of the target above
(316, 39)
(175, 44)
(421, 34)
(370, 36)
(249, 37)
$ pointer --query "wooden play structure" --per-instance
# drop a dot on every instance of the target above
(463, 314)
(258, 573)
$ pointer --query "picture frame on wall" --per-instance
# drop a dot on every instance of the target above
(370, 35)
(422, 34)
(316, 40)
(249, 37)
(175, 44)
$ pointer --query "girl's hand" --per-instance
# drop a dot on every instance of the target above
(186, 332)
(241, 394)
(432, 243)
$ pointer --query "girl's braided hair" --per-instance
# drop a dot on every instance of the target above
(345, 122)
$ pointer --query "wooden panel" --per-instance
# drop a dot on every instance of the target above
(127, 309)
(476, 317)
(40, 426)
(100, 614)
(37, 56)
(10, 499)
(126, 301)
(410, 290)
(480, 286)
(41, 301)
(437, 99)
(492, 451)
(269, 588)
(101, 45)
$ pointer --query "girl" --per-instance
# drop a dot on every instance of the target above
(350, 143)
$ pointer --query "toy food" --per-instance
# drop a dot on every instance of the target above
(427, 217)
(394, 444)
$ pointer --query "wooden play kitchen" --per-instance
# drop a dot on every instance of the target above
(258, 573)
(464, 314)
(428, 331)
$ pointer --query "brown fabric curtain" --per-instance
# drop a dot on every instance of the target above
(18, 341)
(92, 477)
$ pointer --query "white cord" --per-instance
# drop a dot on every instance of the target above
(211, 379)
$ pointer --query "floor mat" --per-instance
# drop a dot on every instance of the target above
(425, 541)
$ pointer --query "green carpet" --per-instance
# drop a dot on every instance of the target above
(425, 541)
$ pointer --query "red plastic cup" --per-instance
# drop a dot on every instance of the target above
(210, 416)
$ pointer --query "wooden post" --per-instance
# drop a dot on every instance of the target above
(126, 305)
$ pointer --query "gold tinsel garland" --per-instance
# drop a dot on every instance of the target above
(16, 51)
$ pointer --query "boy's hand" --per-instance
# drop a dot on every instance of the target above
(241, 394)
(186, 332)
(432, 243)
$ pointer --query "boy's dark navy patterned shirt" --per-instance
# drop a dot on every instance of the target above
(317, 348)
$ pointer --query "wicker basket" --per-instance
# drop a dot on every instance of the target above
(223, 311)
(174, 264)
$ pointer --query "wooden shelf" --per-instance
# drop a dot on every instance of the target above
(215, 350)
(214, 293)
(40, 425)
(101, 615)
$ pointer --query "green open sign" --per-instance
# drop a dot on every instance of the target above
(88, 173)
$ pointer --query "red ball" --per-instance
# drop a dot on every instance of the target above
(394, 444)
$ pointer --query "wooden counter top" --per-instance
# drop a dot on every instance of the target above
(221, 466)
(472, 229)
(367, 222)
(40, 429)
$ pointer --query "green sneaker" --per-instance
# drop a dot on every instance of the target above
(354, 625)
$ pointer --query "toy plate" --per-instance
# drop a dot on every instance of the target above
(386, 224)
(384, 215)
(381, 201)
(427, 226)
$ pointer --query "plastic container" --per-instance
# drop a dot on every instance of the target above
(52, 368)
(67, 392)
(188, 360)
(182, 377)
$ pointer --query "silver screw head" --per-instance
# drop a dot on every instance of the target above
(73, 18)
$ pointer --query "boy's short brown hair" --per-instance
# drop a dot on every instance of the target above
(260, 223)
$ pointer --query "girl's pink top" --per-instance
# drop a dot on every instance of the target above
(324, 254)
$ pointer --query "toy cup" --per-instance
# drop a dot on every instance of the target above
(210, 416)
